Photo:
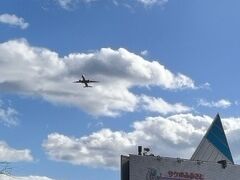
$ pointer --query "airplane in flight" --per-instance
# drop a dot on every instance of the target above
(85, 81)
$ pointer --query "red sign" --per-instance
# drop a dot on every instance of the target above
(185, 175)
(153, 174)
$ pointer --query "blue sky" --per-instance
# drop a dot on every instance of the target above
(166, 68)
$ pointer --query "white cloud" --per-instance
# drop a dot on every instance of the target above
(8, 115)
(174, 136)
(69, 4)
(66, 4)
(223, 103)
(152, 2)
(4, 177)
(12, 19)
(43, 73)
(144, 52)
(206, 86)
(161, 106)
(14, 155)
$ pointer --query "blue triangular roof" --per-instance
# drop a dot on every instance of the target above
(214, 146)
(217, 137)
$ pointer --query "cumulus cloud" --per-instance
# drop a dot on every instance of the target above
(14, 20)
(5, 177)
(223, 103)
(10, 154)
(41, 72)
(175, 136)
(161, 106)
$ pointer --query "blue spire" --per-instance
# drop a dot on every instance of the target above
(217, 137)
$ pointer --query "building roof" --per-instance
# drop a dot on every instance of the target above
(214, 145)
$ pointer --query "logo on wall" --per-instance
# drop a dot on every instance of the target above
(153, 174)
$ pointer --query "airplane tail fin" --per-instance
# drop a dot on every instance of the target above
(83, 77)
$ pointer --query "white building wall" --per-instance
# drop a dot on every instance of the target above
(162, 168)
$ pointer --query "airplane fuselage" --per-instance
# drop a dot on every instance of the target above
(85, 81)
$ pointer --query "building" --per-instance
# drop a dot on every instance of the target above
(212, 160)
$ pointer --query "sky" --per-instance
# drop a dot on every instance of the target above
(165, 69)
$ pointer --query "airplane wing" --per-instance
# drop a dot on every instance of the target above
(76, 81)
(86, 84)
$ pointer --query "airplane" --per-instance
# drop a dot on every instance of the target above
(85, 81)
